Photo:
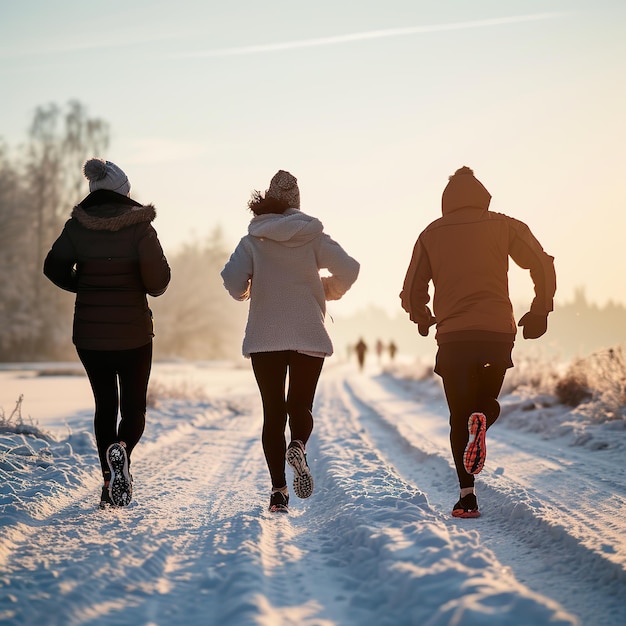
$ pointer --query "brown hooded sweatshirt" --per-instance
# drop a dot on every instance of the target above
(466, 255)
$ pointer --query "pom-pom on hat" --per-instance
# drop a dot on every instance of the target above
(103, 174)
(284, 186)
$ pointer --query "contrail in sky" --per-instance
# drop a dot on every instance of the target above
(373, 34)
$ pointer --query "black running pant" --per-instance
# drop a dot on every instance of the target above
(270, 370)
(119, 380)
(472, 374)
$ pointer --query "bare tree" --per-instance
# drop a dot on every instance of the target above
(59, 143)
(195, 318)
(37, 193)
(16, 299)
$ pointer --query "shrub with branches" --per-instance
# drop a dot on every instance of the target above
(15, 423)
(595, 385)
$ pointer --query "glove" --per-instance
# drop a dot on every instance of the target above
(534, 325)
(423, 329)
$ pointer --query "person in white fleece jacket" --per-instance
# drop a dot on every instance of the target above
(277, 267)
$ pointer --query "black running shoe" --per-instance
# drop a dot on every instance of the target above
(105, 498)
(302, 479)
(121, 485)
(279, 502)
(467, 506)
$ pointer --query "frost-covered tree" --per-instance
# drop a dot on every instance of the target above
(59, 143)
(17, 301)
(37, 192)
(196, 318)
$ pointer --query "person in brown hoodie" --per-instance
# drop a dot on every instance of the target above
(466, 254)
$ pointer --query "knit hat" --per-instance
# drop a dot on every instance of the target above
(284, 186)
(464, 190)
(103, 174)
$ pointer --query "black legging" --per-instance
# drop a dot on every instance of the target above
(105, 369)
(270, 371)
(472, 374)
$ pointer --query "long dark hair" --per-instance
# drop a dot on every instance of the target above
(261, 205)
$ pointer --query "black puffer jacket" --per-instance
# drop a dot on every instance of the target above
(110, 256)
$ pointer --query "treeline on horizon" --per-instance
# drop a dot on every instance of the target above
(41, 181)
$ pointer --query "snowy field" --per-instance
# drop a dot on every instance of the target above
(374, 545)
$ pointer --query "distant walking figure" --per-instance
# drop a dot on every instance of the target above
(277, 267)
(109, 255)
(361, 349)
(379, 349)
(392, 350)
(466, 254)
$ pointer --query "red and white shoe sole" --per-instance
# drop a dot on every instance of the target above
(476, 449)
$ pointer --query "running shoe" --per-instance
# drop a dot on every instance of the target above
(121, 484)
(105, 498)
(467, 506)
(302, 479)
(476, 449)
(279, 502)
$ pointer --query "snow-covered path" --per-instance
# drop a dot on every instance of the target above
(375, 544)
(551, 512)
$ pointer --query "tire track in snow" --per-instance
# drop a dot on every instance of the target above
(395, 550)
(528, 530)
(197, 546)
(138, 552)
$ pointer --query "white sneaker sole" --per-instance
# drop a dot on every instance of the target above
(120, 487)
(302, 479)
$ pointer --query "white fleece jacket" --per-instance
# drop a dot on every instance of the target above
(277, 267)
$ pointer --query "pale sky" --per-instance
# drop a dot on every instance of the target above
(372, 105)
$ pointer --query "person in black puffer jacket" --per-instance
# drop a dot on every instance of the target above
(110, 256)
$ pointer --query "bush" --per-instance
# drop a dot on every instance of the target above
(595, 385)
(572, 390)
(15, 423)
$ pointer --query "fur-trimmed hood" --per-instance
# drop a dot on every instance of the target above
(107, 210)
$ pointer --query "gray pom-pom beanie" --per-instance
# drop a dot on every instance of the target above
(103, 174)
(284, 186)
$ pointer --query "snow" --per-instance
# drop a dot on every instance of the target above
(375, 544)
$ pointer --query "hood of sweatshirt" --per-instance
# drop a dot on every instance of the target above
(464, 190)
(291, 228)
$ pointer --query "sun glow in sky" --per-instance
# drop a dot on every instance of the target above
(371, 105)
